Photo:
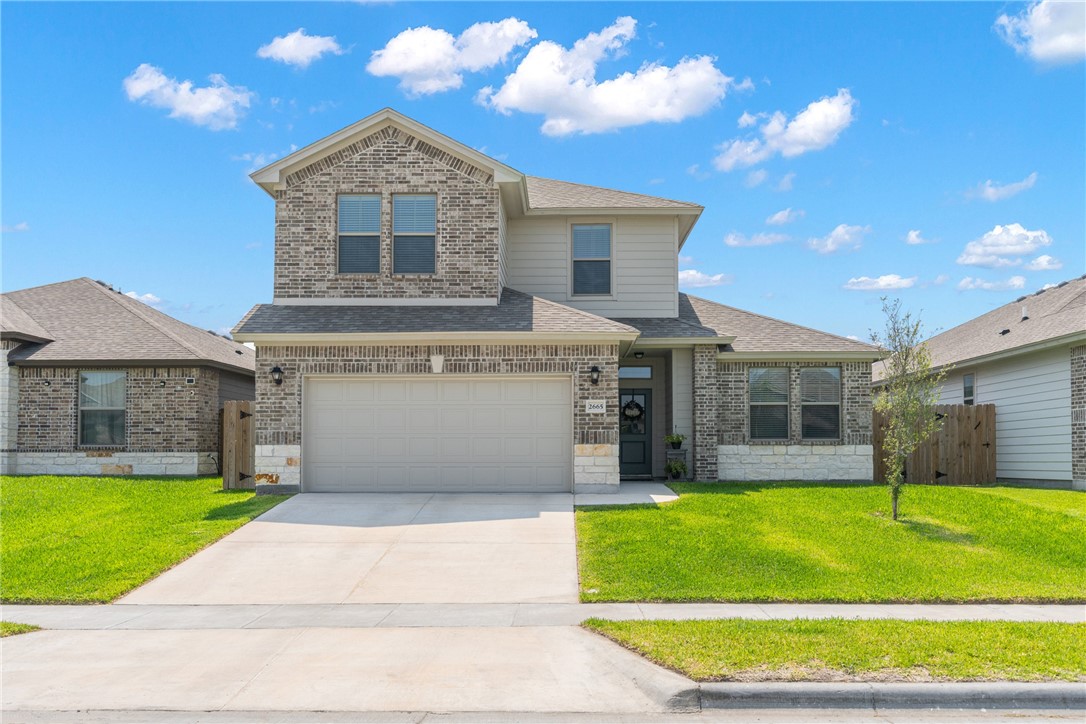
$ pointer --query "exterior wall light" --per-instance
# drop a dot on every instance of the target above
(594, 375)
(162, 383)
(639, 355)
(277, 375)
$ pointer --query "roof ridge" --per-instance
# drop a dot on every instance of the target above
(566, 307)
(617, 191)
(781, 321)
(150, 319)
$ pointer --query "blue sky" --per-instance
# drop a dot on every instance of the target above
(957, 125)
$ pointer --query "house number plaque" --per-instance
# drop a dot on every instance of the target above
(595, 407)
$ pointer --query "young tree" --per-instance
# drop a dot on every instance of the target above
(908, 395)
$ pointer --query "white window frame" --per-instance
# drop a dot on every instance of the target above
(590, 221)
(971, 399)
(380, 241)
(392, 231)
(80, 408)
(802, 404)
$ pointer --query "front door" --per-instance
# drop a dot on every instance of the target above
(635, 432)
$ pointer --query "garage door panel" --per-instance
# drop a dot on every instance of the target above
(427, 434)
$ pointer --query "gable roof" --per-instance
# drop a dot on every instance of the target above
(1055, 315)
(547, 193)
(88, 322)
(761, 337)
(515, 315)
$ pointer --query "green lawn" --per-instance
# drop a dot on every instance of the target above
(14, 629)
(838, 650)
(836, 542)
(89, 540)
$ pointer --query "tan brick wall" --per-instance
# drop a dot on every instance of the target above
(279, 408)
(387, 162)
(177, 417)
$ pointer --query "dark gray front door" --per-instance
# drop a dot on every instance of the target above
(635, 432)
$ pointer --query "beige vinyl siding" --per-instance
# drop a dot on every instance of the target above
(502, 242)
(682, 393)
(1032, 395)
(643, 256)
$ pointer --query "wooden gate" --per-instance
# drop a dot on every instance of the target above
(962, 452)
(237, 444)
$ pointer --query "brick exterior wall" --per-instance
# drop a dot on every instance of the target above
(178, 417)
(388, 162)
(707, 412)
(1078, 417)
(279, 407)
(9, 407)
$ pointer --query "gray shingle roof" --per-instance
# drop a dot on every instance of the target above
(17, 324)
(89, 322)
(755, 333)
(515, 312)
(1053, 313)
(545, 193)
(669, 328)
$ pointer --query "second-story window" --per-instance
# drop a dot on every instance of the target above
(592, 259)
(969, 383)
(414, 233)
(359, 234)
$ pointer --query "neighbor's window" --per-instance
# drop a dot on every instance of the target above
(359, 234)
(101, 408)
(968, 385)
(414, 233)
(591, 258)
(768, 403)
(820, 398)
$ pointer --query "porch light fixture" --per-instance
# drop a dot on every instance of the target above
(594, 375)
(162, 383)
(437, 363)
(639, 355)
(47, 383)
(277, 375)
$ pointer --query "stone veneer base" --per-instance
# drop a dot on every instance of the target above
(279, 465)
(114, 463)
(795, 462)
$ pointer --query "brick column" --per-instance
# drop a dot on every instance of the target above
(706, 413)
(9, 408)
(1078, 417)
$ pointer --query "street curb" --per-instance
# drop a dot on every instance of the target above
(972, 695)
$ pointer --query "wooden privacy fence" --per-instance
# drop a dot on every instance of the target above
(238, 459)
(962, 452)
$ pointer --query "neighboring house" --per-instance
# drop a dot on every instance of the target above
(441, 321)
(93, 382)
(1028, 358)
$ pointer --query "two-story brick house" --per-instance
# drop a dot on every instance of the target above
(442, 321)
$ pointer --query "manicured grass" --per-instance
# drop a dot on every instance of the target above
(836, 542)
(839, 650)
(88, 540)
(14, 629)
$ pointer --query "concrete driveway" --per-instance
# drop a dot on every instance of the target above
(386, 548)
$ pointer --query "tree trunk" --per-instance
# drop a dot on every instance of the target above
(893, 502)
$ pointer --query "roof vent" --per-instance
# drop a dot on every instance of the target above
(1019, 299)
(1004, 332)
(1025, 314)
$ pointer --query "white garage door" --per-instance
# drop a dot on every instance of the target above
(484, 434)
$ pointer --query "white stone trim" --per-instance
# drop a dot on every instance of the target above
(795, 462)
(278, 464)
(595, 469)
(115, 464)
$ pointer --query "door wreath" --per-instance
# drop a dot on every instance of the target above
(632, 410)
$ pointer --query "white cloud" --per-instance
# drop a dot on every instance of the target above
(755, 178)
(785, 184)
(812, 129)
(785, 216)
(686, 259)
(299, 49)
(914, 237)
(991, 191)
(941, 279)
(1047, 31)
(749, 119)
(149, 299)
(15, 228)
(969, 283)
(695, 171)
(561, 84)
(1004, 246)
(875, 284)
(218, 106)
(735, 239)
(693, 279)
(842, 238)
(430, 60)
(1044, 263)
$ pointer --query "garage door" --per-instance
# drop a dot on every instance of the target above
(484, 434)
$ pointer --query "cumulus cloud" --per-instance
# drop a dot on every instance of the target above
(1004, 246)
(735, 239)
(149, 299)
(693, 279)
(560, 84)
(842, 238)
(217, 106)
(299, 49)
(1044, 263)
(1048, 31)
(991, 191)
(785, 216)
(785, 184)
(914, 237)
(15, 228)
(695, 171)
(876, 284)
(970, 283)
(814, 128)
(431, 60)
(749, 119)
(755, 178)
